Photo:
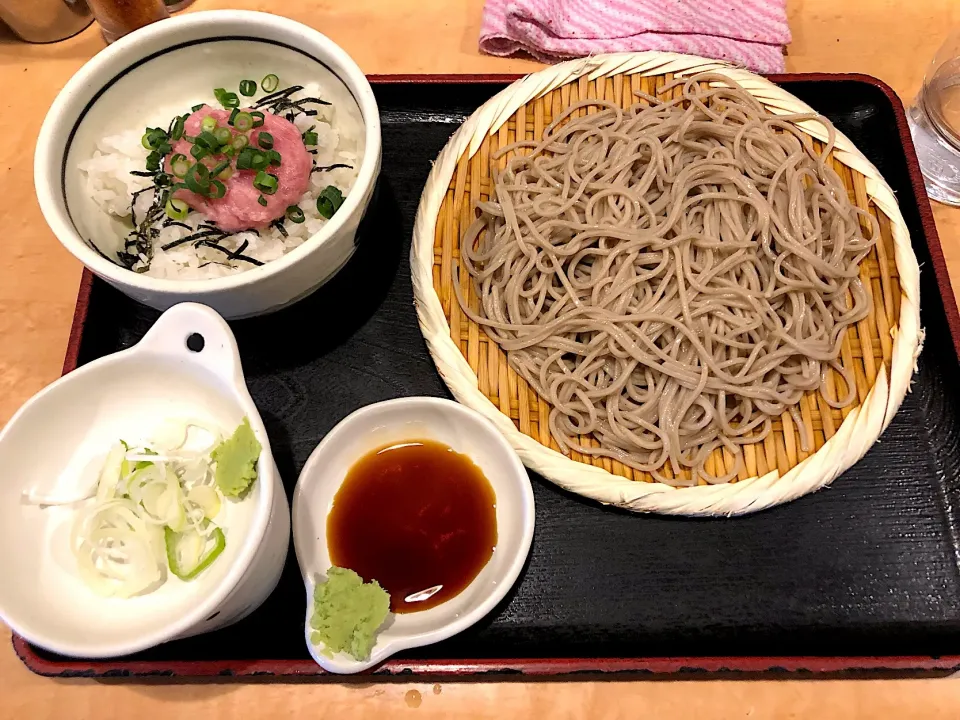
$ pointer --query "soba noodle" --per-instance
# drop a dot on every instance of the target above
(672, 277)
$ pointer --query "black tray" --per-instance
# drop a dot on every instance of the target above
(862, 576)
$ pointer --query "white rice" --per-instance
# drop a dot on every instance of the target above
(108, 181)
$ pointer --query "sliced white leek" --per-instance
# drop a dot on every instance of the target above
(151, 513)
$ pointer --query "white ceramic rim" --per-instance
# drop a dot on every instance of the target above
(512, 572)
(859, 430)
(266, 477)
(48, 187)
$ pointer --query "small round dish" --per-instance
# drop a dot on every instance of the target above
(467, 432)
(157, 72)
(55, 446)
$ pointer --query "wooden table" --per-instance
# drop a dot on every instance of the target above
(891, 39)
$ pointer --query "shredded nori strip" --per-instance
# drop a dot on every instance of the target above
(196, 237)
(335, 166)
(231, 255)
(143, 173)
(278, 224)
(280, 103)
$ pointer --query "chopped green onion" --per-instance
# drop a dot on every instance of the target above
(245, 158)
(223, 135)
(162, 180)
(233, 116)
(153, 138)
(199, 153)
(310, 138)
(265, 183)
(274, 158)
(197, 107)
(243, 121)
(239, 142)
(153, 161)
(228, 150)
(219, 168)
(329, 201)
(227, 99)
(265, 140)
(208, 124)
(218, 190)
(260, 161)
(179, 165)
(270, 83)
(248, 88)
(295, 214)
(176, 132)
(163, 148)
(188, 571)
(208, 141)
(258, 118)
(176, 209)
(198, 179)
(262, 200)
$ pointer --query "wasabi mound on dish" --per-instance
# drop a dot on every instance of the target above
(347, 613)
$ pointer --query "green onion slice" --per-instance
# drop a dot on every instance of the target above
(265, 183)
(199, 153)
(295, 214)
(179, 165)
(265, 140)
(176, 209)
(270, 83)
(153, 161)
(248, 88)
(208, 141)
(310, 138)
(189, 553)
(329, 201)
(197, 107)
(217, 190)
(208, 124)
(198, 179)
(274, 158)
(215, 172)
(258, 118)
(243, 121)
(262, 200)
(223, 136)
(176, 131)
(153, 138)
(227, 99)
(259, 161)
(245, 157)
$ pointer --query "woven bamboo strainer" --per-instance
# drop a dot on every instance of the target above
(881, 350)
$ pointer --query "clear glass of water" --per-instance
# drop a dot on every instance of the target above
(934, 121)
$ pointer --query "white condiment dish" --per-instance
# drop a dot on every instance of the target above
(414, 418)
(162, 70)
(55, 446)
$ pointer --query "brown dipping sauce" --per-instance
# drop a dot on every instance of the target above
(412, 516)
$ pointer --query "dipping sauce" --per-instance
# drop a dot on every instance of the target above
(417, 517)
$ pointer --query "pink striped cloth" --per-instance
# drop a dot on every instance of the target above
(747, 32)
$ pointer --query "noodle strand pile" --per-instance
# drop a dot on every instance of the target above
(671, 277)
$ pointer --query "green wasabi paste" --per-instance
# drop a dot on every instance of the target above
(347, 613)
(236, 459)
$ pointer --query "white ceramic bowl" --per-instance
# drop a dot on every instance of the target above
(155, 73)
(467, 432)
(56, 443)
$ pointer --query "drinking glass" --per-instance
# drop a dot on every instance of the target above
(934, 120)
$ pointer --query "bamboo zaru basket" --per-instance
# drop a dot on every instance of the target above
(881, 350)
